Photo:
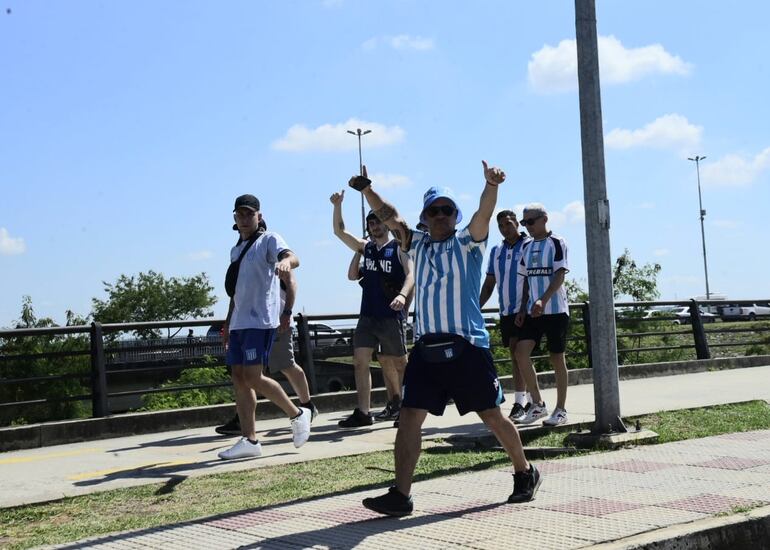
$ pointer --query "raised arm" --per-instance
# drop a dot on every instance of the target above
(385, 211)
(351, 241)
(479, 226)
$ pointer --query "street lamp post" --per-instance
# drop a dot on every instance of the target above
(697, 160)
(360, 133)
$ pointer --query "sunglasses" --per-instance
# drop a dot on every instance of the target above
(433, 211)
(529, 221)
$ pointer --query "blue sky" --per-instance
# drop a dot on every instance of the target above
(127, 129)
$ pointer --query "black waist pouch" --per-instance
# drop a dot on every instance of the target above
(441, 348)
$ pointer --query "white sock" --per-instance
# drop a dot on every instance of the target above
(520, 397)
(529, 399)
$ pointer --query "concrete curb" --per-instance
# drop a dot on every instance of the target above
(747, 530)
(72, 431)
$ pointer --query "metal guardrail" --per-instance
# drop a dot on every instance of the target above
(86, 360)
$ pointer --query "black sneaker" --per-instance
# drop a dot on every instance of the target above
(392, 503)
(390, 412)
(356, 420)
(233, 427)
(525, 485)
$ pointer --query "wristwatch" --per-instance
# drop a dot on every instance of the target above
(286, 312)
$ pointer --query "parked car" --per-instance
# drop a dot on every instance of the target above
(743, 313)
(682, 315)
(323, 335)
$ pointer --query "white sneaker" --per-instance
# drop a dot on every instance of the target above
(300, 427)
(535, 412)
(558, 418)
(242, 449)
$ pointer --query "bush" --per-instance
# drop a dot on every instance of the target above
(196, 397)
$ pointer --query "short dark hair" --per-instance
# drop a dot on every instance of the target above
(506, 214)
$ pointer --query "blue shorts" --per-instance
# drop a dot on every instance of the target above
(249, 346)
(470, 379)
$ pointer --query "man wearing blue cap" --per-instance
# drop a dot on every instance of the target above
(451, 359)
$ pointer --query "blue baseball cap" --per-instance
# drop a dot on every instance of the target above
(435, 193)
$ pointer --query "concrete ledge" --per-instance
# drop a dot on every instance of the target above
(122, 425)
(750, 530)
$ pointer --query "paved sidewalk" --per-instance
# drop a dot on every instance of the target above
(582, 501)
(36, 475)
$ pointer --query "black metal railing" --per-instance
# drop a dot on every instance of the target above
(80, 371)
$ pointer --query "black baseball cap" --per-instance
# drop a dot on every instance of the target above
(248, 201)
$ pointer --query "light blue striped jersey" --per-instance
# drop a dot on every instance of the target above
(503, 265)
(447, 283)
(539, 261)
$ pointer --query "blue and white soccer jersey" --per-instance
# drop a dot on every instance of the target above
(503, 264)
(540, 260)
(447, 286)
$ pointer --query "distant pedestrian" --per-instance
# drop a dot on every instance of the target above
(387, 282)
(252, 282)
(451, 360)
(544, 311)
(502, 271)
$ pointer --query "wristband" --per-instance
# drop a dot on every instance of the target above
(359, 183)
(402, 295)
(286, 312)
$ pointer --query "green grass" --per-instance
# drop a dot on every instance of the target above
(181, 499)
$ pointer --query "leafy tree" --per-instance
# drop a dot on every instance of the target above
(575, 292)
(152, 297)
(640, 283)
(27, 357)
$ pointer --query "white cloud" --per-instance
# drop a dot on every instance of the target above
(647, 205)
(661, 252)
(399, 42)
(554, 68)
(334, 137)
(735, 170)
(199, 255)
(671, 131)
(10, 246)
(390, 181)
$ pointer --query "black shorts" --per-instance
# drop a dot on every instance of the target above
(508, 329)
(554, 326)
(469, 378)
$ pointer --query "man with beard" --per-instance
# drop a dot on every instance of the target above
(387, 282)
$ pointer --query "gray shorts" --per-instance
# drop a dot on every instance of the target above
(387, 332)
(282, 353)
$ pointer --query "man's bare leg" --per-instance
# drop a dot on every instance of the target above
(526, 368)
(508, 436)
(296, 377)
(361, 359)
(408, 446)
(559, 365)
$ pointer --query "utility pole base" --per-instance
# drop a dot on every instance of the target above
(610, 441)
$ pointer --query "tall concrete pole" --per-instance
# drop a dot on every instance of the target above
(604, 352)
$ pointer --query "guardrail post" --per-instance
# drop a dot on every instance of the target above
(306, 352)
(587, 330)
(99, 404)
(699, 335)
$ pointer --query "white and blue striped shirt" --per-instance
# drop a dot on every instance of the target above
(447, 283)
(503, 265)
(540, 260)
